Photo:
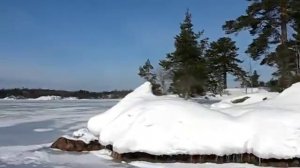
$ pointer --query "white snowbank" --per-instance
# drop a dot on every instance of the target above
(48, 98)
(142, 122)
(10, 98)
(70, 98)
(42, 129)
(251, 98)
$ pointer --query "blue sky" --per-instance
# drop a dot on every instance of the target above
(99, 44)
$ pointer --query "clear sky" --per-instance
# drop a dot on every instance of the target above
(99, 44)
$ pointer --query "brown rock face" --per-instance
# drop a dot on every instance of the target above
(65, 144)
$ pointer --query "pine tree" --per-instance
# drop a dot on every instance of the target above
(187, 63)
(268, 21)
(295, 14)
(145, 72)
(254, 79)
(222, 59)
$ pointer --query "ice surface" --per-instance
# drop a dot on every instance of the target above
(27, 129)
(183, 165)
(142, 122)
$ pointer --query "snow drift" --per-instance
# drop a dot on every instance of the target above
(142, 122)
(44, 98)
(249, 99)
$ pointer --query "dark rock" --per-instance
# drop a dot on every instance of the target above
(65, 144)
(77, 145)
(240, 100)
(109, 147)
(233, 158)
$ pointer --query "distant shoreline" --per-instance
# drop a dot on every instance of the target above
(25, 93)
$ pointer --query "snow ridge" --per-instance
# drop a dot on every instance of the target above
(157, 125)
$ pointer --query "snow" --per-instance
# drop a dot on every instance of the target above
(142, 122)
(48, 98)
(104, 153)
(20, 154)
(38, 156)
(82, 134)
(143, 164)
(43, 98)
(10, 98)
(43, 129)
(70, 98)
(21, 146)
(228, 101)
(26, 148)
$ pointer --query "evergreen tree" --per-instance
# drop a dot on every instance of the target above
(295, 14)
(254, 79)
(215, 79)
(187, 62)
(222, 59)
(163, 79)
(268, 22)
(145, 72)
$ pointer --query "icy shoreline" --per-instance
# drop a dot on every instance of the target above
(82, 140)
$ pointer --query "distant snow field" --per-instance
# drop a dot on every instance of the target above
(42, 98)
(143, 122)
(43, 129)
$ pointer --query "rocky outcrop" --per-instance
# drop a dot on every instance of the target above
(66, 144)
(233, 158)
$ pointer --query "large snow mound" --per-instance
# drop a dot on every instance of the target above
(142, 122)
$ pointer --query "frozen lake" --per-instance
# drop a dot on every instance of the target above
(27, 128)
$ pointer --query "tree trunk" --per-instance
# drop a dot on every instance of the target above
(283, 18)
(284, 56)
(186, 95)
(225, 79)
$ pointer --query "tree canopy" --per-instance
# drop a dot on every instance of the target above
(187, 63)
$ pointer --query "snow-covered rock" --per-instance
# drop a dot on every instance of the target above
(84, 135)
(142, 122)
(67, 144)
(81, 140)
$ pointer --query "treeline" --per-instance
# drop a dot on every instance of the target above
(198, 65)
(81, 94)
